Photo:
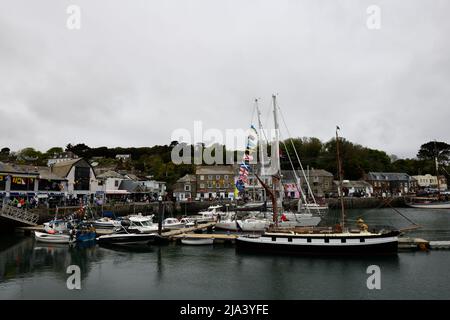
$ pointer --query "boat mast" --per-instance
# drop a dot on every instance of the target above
(276, 151)
(341, 195)
(437, 168)
(261, 146)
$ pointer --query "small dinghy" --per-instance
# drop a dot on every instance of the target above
(51, 238)
(197, 242)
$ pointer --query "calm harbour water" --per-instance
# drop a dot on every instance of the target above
(30, 270)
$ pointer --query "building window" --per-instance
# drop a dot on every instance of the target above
(202, 185)
(226, 177)
(22, 184)
(217, 177)
(202, 177)
(116, 183)
(209, 177)
(82, 178)
(187, 187)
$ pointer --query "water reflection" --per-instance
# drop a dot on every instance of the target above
(27, 258)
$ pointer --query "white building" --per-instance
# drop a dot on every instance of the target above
(123, 157)
(430, 181)
(81, 179)
(109, 181)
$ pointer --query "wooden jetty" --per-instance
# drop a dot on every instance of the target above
(405, 244)
(440, 245)
(218, 238)
(202, 226)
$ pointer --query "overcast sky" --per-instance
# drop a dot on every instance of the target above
(137, 70)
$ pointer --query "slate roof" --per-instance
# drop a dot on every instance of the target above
(187, 178)
(222, 169)
(388, 176)
(288, 175)
(110, 174)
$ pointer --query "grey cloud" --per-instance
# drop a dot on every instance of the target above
(137, 71)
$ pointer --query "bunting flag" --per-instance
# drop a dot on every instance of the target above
(244, 168)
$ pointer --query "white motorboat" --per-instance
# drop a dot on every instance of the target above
(227, 224)
(172, 223)
(55, 226)
(188, 222)
(142, 224)
(205, 217)
(438, 205)
(124, 237)
(106, 223)
(197, 242)
(427, 203)
(253, 225)
(52, 237)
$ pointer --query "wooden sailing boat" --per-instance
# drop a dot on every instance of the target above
(327, 241)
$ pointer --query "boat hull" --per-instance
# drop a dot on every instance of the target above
(253, 226)
(127, 239)
(106, 224)
(197, 242)
(430, 205)
(51, 238)
(227, 225)
(84, 237)
(382, 245)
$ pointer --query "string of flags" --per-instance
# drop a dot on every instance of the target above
(244, 167)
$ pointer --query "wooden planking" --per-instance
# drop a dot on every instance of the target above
(187, 230)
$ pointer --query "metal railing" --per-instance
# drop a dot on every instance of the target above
(19, 215)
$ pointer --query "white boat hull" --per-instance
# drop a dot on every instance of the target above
(429, 205)
(253, 225)
(229, 225)
(106, 224)
(197, 242)
(51, 238)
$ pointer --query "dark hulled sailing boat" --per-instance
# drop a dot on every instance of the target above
(328, 241)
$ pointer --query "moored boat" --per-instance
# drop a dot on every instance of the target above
(340, 241)
(427, 203)
(106, 223)
(52, 237)
(253, 225)
(197, 242)
(172, 223)
(346, 243)
(141, 224)
(227, 224)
